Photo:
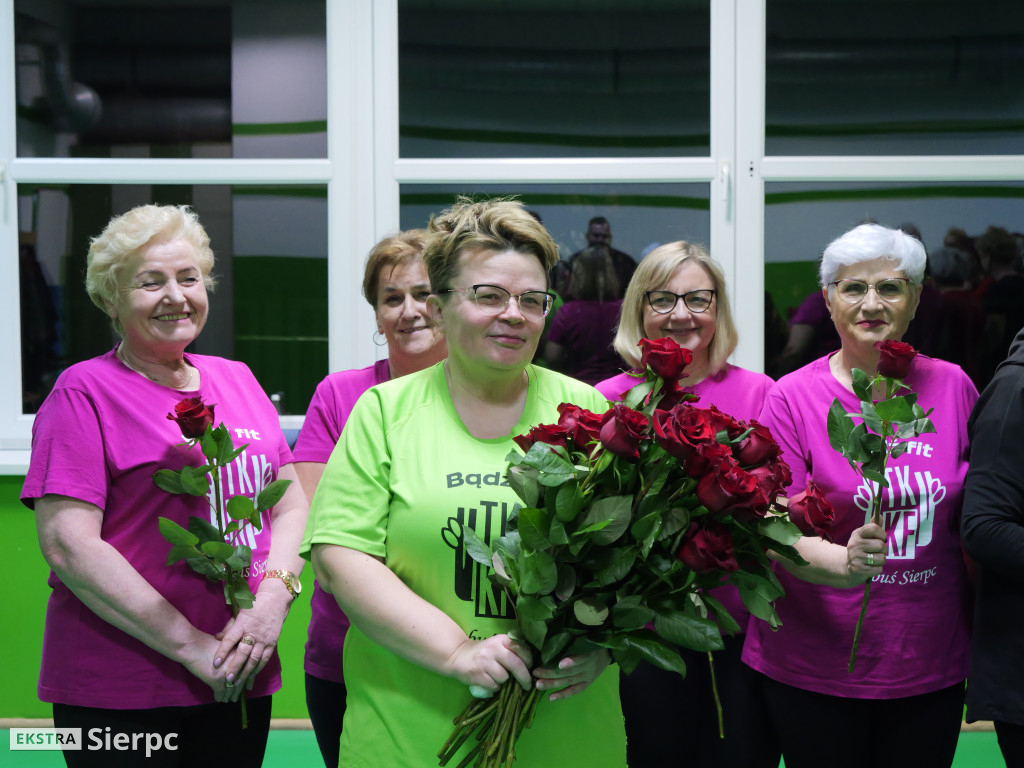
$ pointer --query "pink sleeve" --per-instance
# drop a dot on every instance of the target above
(320, 430)
(777, 415)
(68, 456)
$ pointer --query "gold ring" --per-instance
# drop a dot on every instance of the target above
(248, 639)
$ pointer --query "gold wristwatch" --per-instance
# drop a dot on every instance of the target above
(290, 580)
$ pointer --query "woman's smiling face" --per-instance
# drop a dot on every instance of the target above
(402, 314)
(692, 330)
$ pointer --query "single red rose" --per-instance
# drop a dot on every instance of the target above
(812, 513)
(773, 476)
(708, 547)
(758, 446)
(671, 395)
(622, 430)
(193, 417)
(681, 429)
(664, 357)
(550, 434)
(583, 426)
(895, 358)
(725, 485)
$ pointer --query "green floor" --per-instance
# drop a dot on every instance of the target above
(298, 748)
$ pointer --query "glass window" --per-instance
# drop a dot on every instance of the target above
(167, 79)
(640, 216)
(583, 79)
(907, 78)
(271, 249)
(801, 219)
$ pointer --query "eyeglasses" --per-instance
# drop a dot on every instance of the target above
(664, 302)
(494, 299)
(892, 289)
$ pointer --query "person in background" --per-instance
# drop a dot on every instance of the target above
(385, 533)
(1004, 309)
(598, 234)
(993, 531)
(133, 645)
(396, 285)
(904, 699)
(679, 292)
(961, 318)
(579, 342)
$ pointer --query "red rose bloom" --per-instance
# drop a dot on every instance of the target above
(708, 547)
(723, 422)
(583, 426)
(812, 513)
(706, 457)
(726, 485)
(550, 434)
(622, 430)
(680, 430)
(665, 357)
(895, 358)
(773, 476)
(757, 447)
(193, 417)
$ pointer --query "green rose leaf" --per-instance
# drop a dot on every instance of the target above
(758, 595)
(566, 582)
(689, 631)
(533, 614)
(840, 427)
(538, 573)
(239, 507)
(533, 528)
(780, 530)
(895, 409)
(638, 393)
(590, 611)
(168, 480)
(204, 529)
(206, 567)
(861, 384)
(619, 566)
(175, 534)
(240, 559)
(218, 550)
(614, 512)
(630, 613)
(475, 547)
(194, 482)
(272, 494)
(181, 552)
(726, 622)
(524, 484)
(568, 502)
(648, 646)
(553, 646)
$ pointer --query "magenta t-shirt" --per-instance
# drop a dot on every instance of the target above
(916, 635)
(99, 437)
(735, 391)
(325, 418)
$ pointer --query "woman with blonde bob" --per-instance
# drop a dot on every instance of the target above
(678, 291)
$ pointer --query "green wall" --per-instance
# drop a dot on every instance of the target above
(23, 610)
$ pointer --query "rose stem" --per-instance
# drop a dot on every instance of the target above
(718, 700)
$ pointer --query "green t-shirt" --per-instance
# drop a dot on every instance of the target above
(402, 481)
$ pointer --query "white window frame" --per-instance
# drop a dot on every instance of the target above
(363, 174)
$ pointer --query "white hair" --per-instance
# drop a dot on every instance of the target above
(873, 241)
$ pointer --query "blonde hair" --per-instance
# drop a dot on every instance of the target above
(502, 224)
(652, 274)
(392, 251)
(126, 235)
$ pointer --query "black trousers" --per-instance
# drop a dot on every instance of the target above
(325, 701)
(671, 721)
(816, 729)
(190, 737)
(1011, 743)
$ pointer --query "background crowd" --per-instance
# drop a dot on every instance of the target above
(487, 332)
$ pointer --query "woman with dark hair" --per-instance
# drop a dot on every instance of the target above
(579, 342)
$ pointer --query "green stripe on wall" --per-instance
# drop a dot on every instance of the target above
(278, 129)
(483, 136)
(891, 193)
(296, 190)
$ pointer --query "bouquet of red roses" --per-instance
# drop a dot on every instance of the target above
(629, 519)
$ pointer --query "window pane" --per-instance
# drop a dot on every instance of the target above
(802, 218)
(640, 216)
(271, 248)
(920, 77)
(583, 79)
(130, 79)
